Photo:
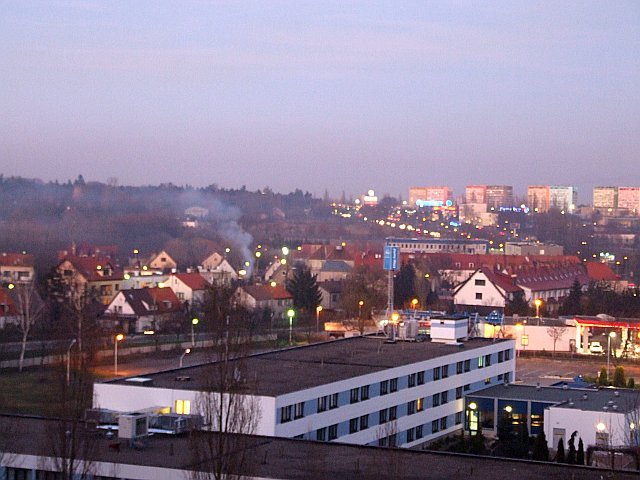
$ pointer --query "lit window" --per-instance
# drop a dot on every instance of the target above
(183, 407)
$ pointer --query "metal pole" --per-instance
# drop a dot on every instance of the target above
(115, 358)
(290, 328)
(73, 342)
(193, 338)
(608, 356)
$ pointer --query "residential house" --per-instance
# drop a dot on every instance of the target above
(162, 261)
(190, 288)
(16, 268)
(551, 285)
(137, 310)
(601, 273)
(484, 291)
(93, 276)
(217, 270)
(276, 298)
(331, 291)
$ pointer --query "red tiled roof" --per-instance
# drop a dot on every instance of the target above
(194, 281)
(600, 272)
(267, 292)
(16, 260)
(93, 268)
(142, 299)
(512, 263)
(542, 279)
(505, 282)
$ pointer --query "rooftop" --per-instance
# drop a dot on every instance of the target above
(587, 399)
(306, 367)
(271, 457)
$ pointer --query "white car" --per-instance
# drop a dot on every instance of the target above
(596, 348)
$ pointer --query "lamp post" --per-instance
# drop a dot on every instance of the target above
(187, 351)
(537, 302)
(73, 342)
(360, 304)
(414, 304)
(291, 313)
(318, 310)
(118, 338)
(194, 322)
(609, 337)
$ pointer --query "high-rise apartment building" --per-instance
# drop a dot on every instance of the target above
(475, 194)
(499, 196)
(538, 198)
(605, 197)
(563, 198)
(629, 198)
(494, 196)
(429, 196)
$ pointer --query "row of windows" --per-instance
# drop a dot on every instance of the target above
(362, 393)
(297, 409)
(359, 394)
(359, 423)
(327, 433)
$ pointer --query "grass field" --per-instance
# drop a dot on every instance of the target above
(38, 391)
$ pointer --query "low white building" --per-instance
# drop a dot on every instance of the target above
(359, 390)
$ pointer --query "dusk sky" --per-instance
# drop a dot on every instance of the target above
(340, 95)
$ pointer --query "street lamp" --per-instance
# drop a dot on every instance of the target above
(609, 337)
(194, 322)
(360, 304)
(73, 342)
(318, 310)
(537, 302)
(414, 304)
(291, 313)
(188, 350)
(118, 338)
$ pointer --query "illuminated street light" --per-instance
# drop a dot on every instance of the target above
(318, 310)
(285, 251)
(291, 313)
(194, 322)
(360, 304)
(187, 351)
(537, 302)
(118, 338)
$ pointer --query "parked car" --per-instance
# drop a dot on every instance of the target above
(596, 348)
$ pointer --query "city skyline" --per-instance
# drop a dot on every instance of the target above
(323, 96)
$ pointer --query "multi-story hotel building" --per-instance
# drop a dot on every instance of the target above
(362, 390)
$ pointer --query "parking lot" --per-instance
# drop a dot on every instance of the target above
(546, 371)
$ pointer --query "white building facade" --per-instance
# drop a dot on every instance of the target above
(402, 394)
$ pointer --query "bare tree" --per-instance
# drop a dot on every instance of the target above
(556, 333)
(72, 444)
(30, 308)
(227, 405)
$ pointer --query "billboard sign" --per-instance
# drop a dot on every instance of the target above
(391, 256)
